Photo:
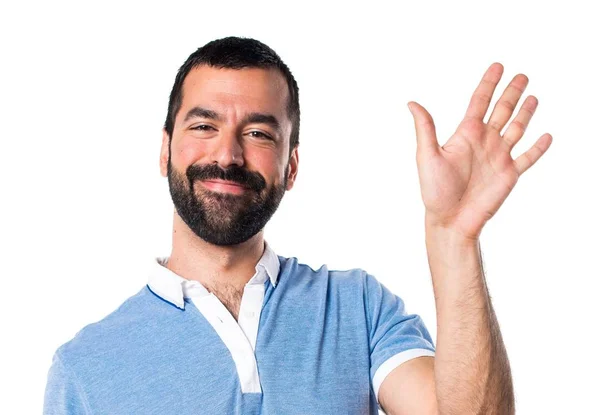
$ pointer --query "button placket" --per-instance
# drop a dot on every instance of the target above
(250, 309)
(234, 339)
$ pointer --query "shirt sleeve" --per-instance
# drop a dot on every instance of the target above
(394, 335)
(63, 395)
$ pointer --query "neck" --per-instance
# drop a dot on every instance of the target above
(213, 265)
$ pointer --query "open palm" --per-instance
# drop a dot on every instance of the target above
(465, 181)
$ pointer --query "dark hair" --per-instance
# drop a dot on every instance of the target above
(236, 53)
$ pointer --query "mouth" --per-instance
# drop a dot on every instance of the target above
(223, 186)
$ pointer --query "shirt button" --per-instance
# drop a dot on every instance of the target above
(250, 314)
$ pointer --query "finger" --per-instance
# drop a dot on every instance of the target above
(508, 102)
(425, 128)
(529, 158)
(517, 127)
(480, 101)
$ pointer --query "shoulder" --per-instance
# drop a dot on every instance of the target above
(101, 336)
(353, 283)
(294, 272)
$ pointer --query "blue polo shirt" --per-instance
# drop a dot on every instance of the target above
(322, 343)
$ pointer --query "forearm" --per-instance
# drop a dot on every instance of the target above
(472, 372)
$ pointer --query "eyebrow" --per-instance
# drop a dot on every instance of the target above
(253, 117)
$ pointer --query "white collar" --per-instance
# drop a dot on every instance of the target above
(173, 288)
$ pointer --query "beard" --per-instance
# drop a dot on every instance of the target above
(224, 218)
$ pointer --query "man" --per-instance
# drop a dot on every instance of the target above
(226, 326)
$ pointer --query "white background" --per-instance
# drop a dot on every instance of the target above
(84, 93)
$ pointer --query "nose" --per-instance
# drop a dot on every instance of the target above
(228, 150)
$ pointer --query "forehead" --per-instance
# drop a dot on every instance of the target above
(235, 91)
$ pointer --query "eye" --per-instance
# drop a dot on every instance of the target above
(260, 135)
(202, 127)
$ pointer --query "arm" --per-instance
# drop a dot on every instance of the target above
(472, 372)
(469, 348)
(463, 184)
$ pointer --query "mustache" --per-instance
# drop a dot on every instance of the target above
(236, 174)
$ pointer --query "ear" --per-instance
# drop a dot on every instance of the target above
(164, 153)
(293, 171)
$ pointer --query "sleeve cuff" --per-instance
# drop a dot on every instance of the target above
(392, 363)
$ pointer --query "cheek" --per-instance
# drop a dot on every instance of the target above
(186, 153)
(266, 163)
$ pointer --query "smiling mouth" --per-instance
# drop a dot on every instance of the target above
(223, 186)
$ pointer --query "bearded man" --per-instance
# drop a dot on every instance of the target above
(227, 326)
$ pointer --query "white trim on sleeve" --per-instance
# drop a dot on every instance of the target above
(392, 363)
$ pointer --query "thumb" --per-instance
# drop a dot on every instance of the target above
(426, 137)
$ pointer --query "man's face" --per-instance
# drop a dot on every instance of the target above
(228, 165)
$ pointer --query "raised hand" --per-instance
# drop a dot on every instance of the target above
(465, 181)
